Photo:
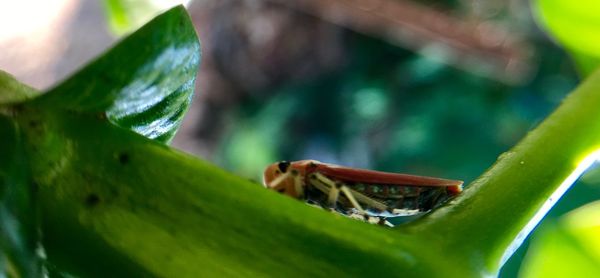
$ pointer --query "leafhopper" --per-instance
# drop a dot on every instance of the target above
(368, 195)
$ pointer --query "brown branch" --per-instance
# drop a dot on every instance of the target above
(481, 47)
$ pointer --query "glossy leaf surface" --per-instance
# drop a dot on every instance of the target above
(145, 83)
(163, 59)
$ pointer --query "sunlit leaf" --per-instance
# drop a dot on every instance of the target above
(576, 25)
(567, 248)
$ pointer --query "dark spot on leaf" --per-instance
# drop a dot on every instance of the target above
(123, 158)
(34, 187)
(33, 124)
(17, 109)
(92, 200)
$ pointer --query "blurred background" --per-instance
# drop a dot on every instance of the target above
(434, 87)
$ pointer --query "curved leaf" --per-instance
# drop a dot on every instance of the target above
(145, 83)
(13, 91)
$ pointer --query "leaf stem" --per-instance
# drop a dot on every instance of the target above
(496, 212)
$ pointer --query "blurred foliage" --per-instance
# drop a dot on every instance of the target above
(576, 27)
(567, 247)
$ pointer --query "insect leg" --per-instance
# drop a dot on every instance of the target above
(298, 185)
(383, 222)
(349, 193)
(314, 181)
(367, 200)
(331, 189)
(351, 198)
(333, 195)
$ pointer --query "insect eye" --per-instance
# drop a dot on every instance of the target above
(283, 166)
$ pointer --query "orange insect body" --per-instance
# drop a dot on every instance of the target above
(358, 191)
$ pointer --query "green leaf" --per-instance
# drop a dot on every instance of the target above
(145, 83)
(18, 211)
(120, 204)
(13, 91)
(576, 25)
(569, 248)
(115, 203)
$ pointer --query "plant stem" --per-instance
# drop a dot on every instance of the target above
(493, 216)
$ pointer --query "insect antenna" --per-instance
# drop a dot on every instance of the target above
(330, 188)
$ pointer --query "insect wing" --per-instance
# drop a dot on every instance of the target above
(377, 177)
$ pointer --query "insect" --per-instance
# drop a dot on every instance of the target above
(368, 195)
